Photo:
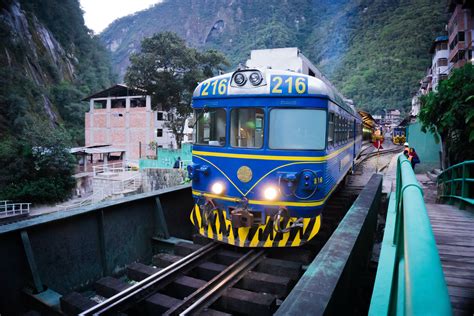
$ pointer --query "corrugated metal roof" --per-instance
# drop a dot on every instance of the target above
(118, 90)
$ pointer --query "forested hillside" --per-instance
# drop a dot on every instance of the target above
(375, 51)
(48, 62)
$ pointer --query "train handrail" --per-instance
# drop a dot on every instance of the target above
(410, 279)
(448, 183)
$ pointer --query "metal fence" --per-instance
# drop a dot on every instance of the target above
(110, 168)
(456, 184)
(410, 278)
(8, 209)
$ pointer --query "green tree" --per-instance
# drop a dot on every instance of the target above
(450, 113)
(36, 167)
(170, 71)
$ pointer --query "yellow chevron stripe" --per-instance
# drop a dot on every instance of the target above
(254, 241)
(213, 232)
(231, 237)
(191, 217)
(199, 220)
(210, 234)
(269, 242)
(218, 226)
(243, 232)
(316, 227)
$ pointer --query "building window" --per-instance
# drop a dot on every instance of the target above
(159, 116)
(118, 104)
(443, 77)
(159, 132)
(442, 62)
(138, 103)
(102, 104)
(444, 46)
(461, 36)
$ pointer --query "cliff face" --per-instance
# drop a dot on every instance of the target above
(353, 41)
(36, 69)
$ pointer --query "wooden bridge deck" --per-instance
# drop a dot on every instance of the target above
(453, 230)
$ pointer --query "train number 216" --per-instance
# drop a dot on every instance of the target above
(214, 87)
(288, 85)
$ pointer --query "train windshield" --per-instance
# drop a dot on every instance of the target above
(246, 128)
(210, 127)
(303, 129)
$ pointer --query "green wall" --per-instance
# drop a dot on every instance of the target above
(426, 147)
(165, 158)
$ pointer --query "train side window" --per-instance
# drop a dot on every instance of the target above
(210, 127)
(246, 129)
(331, 129)
(339, 130)
(347, 134)
(297, 129)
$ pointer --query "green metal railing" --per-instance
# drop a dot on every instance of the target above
(456, 183)
(410, 278)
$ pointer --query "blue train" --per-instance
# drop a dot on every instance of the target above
(270, 148)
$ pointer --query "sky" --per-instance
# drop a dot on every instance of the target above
(98, 14)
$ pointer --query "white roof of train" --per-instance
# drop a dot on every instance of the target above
(279, 62)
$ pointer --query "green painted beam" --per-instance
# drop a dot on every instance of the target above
(330, 281)
(31, 261)
(410, 279)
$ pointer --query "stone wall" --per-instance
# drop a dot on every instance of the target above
(156, 179)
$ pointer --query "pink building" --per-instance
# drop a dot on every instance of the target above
(461, 32)
(122, 117)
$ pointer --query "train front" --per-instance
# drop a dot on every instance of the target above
(258, 158)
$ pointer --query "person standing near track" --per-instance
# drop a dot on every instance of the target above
(413, 157)
(406, 149)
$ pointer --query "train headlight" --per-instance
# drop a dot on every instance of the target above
(240, 79)
(217, 188)
(255, 78)
(270, 193)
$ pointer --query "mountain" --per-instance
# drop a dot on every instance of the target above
(49, 60)
(374, 51)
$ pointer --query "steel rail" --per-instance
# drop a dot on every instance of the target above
(373, 154)
(209, 293)
(144, 288)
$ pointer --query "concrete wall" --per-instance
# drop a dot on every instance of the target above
(156, 179)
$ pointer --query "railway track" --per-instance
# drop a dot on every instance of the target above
(209, 278)
(366, 156)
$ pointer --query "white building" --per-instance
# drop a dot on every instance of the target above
(439, 64)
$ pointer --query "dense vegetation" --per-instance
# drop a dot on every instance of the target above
(181, 68)
(449, 112)
(375, 51)
(49, 61)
